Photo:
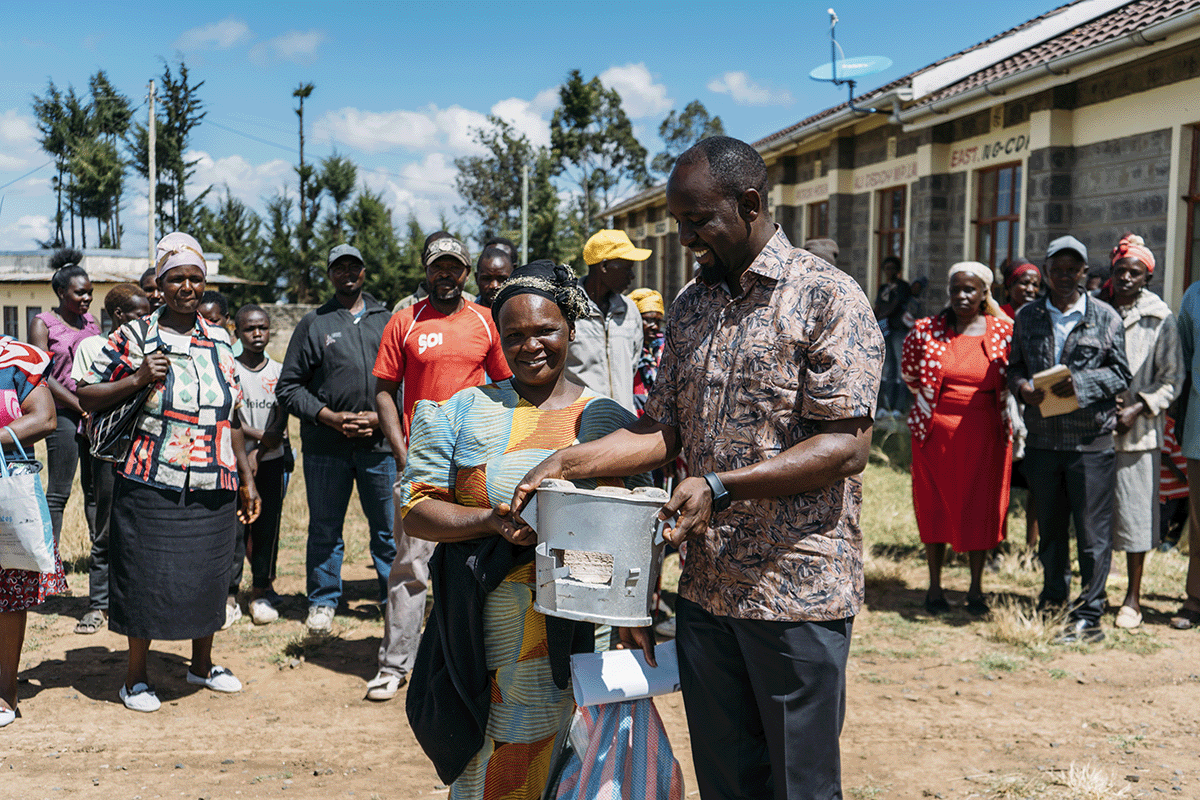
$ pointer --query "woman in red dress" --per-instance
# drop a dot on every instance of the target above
(955, 365)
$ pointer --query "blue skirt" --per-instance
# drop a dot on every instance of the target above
(170, 560)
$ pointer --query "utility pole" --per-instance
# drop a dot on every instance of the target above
(524, 213)
(153, 178)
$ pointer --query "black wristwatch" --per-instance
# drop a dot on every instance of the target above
(721, 498)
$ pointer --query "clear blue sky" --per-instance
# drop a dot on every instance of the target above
(400, 84)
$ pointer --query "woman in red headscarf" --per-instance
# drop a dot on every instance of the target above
(1023, 283)
(1156, 360)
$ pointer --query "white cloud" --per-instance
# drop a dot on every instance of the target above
(247, 182)
(746, 92)
(424, 189)
(19, 148)
(217, 36)
(640, 95)
(299, 47)
(25, 232)
(432, 128)
(530, 117)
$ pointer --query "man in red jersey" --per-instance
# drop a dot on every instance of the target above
(433, 348)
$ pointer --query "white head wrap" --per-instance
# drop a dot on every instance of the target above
(984, 273)
(177, 250)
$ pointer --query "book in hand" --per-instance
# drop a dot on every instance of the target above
(1052, 405)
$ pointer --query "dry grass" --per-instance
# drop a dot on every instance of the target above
(1018, 623)
(1089, 782)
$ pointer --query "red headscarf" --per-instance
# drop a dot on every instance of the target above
(1134, 246)
(1019, 269)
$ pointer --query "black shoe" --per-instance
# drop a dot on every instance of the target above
(976, 606)
(1080, 630)
(938, 606)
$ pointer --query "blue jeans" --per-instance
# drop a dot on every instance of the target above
(329, 479)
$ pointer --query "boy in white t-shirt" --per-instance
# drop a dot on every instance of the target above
(264, 424)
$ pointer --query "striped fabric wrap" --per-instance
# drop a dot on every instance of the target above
(628, 756)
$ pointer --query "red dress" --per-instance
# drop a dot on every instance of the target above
(960, 472)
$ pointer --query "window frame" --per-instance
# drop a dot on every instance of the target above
(992, 219)
(885, 206)
(818, 213)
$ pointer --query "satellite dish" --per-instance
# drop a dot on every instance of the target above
(850, 68)
(845, 70)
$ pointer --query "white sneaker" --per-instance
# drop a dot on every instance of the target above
(140, 698)
(320, 619)
(7, 715)
(384, 686)
(219, 680)
(666, 627)
(262, 612)
(233, 612)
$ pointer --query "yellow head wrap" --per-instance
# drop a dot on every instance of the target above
(647, 300)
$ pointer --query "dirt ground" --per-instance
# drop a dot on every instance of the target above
(952, 707)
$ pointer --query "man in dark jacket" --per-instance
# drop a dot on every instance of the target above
(326, 381)
(1070, 457)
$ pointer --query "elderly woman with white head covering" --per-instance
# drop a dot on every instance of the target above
(955, 364)
(185, 480)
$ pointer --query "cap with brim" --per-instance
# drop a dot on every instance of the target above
(343, 250)
(447, 246)
(1064, 243)
(609, 245)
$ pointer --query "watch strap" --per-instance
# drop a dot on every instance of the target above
(720, 495)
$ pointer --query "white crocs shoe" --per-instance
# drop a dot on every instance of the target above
(140, 698)
(219, 680)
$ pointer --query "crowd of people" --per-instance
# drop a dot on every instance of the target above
(756, 388)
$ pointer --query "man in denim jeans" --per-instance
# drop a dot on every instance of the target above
(326, 381)
(1070, 458)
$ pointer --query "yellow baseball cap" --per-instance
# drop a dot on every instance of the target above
(607, 245)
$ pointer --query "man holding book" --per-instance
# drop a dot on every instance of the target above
(1069, 454)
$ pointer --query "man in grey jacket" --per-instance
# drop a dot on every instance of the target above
(326, 381)
(1070, 457)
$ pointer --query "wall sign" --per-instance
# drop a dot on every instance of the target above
(980, 152)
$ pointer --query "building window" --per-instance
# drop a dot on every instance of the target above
(1190, 270)
(30, 313)
(890, 234)
(818, 220)
(998, 215)
(10, 322)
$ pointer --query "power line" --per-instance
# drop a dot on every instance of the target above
(27, 174)
(252, 137)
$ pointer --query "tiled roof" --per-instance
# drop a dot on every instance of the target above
(1115, 24)
(1123, 21)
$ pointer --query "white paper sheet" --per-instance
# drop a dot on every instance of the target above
(617, 675)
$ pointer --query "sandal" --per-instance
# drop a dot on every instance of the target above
(1185, 618)
(92, 621)
(937, 606)
(977, 606)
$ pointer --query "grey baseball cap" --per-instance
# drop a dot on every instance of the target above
(446, 246)
(1066, 243)
(344, 250)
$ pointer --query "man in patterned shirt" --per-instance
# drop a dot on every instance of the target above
(768, 385)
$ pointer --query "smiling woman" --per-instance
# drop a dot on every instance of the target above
(465, 458)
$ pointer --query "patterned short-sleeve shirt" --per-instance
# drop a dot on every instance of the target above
(745, 378)
(183, 436)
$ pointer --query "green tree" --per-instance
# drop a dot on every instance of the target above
(50, 113)
(681, 131)
(182, 111)
(338, 176)
(370, 229)
(233, 229)
(111, 115)
(594, 145)
(490, 186)
(97, 172)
